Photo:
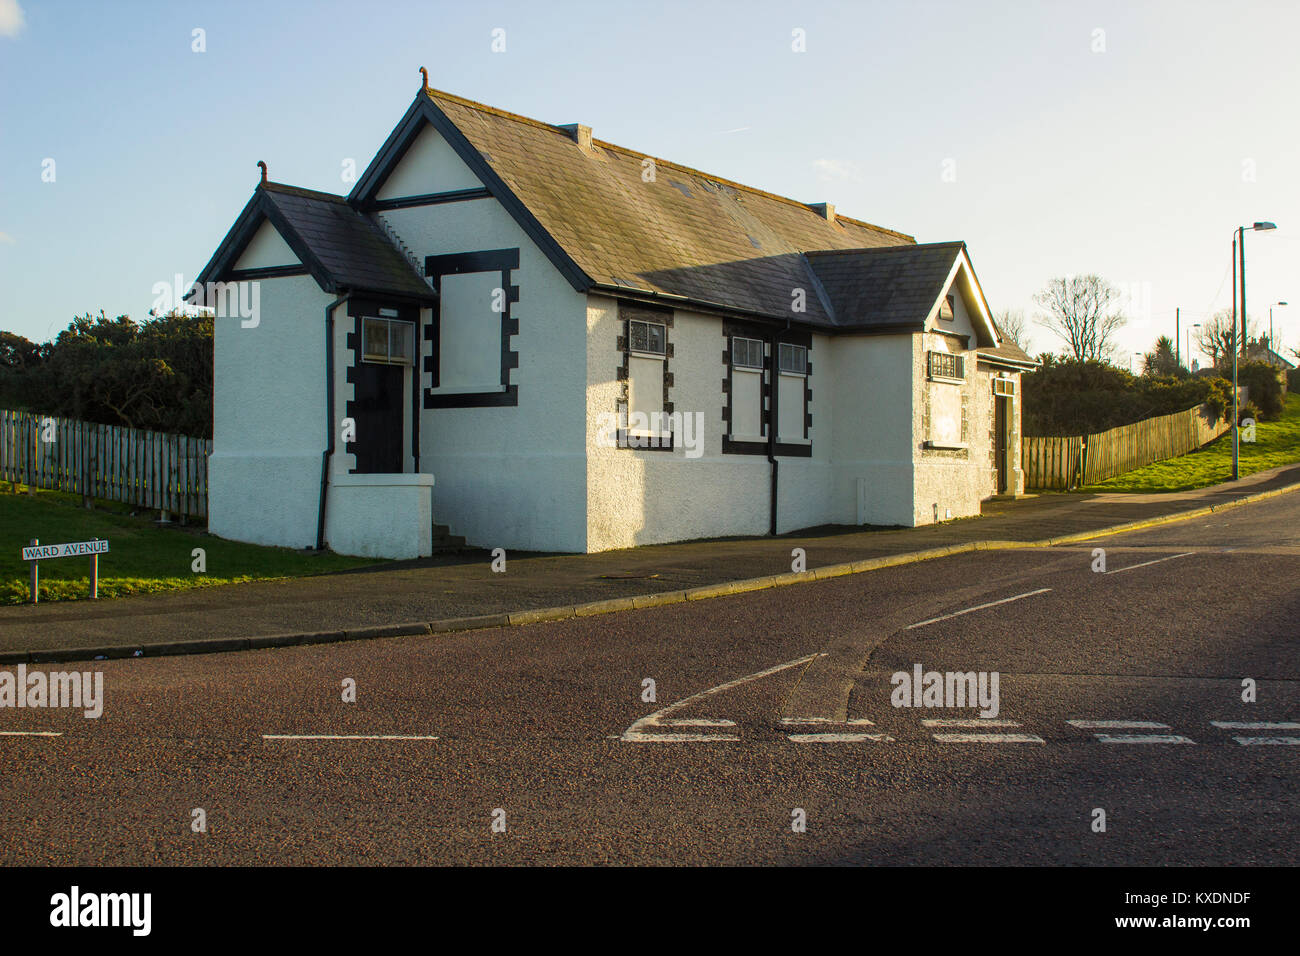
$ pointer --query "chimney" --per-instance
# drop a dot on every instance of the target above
(823, 209)
(579, 134)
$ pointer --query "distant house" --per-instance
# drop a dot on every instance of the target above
(544, 341)
(1261, 351)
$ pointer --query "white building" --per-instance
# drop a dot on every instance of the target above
(484, 331)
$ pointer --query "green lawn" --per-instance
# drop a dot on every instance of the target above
(1276, 443)
(143, 557)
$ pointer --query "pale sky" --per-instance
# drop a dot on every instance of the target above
(1127, 139)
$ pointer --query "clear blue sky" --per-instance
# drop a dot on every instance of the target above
(1130, 162)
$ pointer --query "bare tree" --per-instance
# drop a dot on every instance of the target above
(1084, 312)
(1217, 337)
(1012, 325)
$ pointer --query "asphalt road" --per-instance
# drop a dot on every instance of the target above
(766, 704)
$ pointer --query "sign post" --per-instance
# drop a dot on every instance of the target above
(37, 552)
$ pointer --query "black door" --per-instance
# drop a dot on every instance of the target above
(377, 409)
(1000, 429)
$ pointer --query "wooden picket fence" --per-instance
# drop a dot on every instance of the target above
(152, 470)
(1063, 463)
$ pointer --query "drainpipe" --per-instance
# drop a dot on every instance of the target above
(328, 453)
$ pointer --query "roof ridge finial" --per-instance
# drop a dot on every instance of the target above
(424, 85)
(262, 166)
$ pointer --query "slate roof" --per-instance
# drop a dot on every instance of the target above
(343, 249)
(686, 234)
(1008, 351)
(891, 288)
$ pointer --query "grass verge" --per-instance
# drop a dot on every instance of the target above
(144, 557)
(1276, 443)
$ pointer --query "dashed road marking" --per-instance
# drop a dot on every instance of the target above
(346, 737)
(824, 722)
(637, 737)
(989, 739)
(1266, 741)
(1143, 739)
(978, 607)
(968, 722)
(636, 733)
(1117, 725)
(1145, 564)
(1255, 724)
(695, 722)
(31, 733)
(840, 738)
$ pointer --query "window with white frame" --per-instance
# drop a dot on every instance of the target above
(648, 337)
(387, 341)
(647, 353)
(946, 365)
(746, 397)
(792, 393)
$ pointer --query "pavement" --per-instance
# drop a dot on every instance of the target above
(459, 592)
(1148, 713)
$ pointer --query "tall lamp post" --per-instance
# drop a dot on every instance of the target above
(1239, 255)
(1196, 325)
(1271, 344)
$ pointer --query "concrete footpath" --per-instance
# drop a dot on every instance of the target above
(461, 592)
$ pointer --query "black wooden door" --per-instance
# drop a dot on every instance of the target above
(378, 411)
(1000, 451)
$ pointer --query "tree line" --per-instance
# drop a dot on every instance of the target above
(155, 374)
(1082, 390)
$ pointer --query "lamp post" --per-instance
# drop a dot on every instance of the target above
(1271, 344)
(1239, 255)
(1196, 325)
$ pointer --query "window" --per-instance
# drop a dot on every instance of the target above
(387, 341)
(1004, 386)
(946, 365)
(647, 337)
(794, 359)
(946, 309)
(746, 353)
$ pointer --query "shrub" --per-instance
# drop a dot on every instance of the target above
(1076, 398)
(1265, 388)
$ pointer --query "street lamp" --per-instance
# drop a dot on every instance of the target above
(1189, 345)
(1239, 250)
(1272, 346)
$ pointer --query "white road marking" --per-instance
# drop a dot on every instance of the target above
(979, 607)
(840, 738)
(636, 733)
(1266, 741)
(695, 722)
(824, 722)
(1145, 564)
(1255, 725)
(989, 739)
(1117, 725)
(345, 737)
(968, 722)
(1143, 739)
(635, 737)
(31, 733)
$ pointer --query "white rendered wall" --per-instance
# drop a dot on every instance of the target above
(874, 397)
(953, 481)
(269, 418)
(509, 476)
(642, 496)
(381, 516)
